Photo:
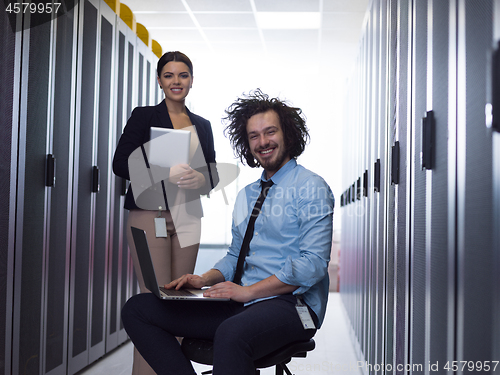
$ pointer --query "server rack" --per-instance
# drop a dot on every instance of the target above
(418, 186)
(118, 256)
(496, 184)
(105, 148)
(62, 152)
(10, 72)
(33, 207)
(86, 181)
(389, 245)
(430, 239)
(67, 271)
(402, 159)
(370, 134)
(474, 184)
(440, 186)
(378, 191)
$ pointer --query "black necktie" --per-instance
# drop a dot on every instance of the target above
(249, 232)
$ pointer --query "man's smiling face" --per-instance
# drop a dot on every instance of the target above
(266, 140)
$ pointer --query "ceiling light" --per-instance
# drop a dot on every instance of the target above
(288, 20)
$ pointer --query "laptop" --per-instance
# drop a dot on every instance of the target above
(168, 147)
(148, 273)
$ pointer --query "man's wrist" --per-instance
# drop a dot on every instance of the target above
(212, 277)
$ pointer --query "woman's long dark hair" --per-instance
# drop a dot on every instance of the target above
(292, 121)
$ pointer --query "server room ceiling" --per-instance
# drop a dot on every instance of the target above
(309, 30)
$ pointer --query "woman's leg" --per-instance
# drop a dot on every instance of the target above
(160, 249)
(183, 259)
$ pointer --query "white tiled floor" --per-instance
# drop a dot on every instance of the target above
(334, 353)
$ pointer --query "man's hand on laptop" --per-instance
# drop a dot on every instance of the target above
(187, 281)
(211, 277)
(228, 289)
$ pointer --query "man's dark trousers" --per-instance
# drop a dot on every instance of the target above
(241, 334)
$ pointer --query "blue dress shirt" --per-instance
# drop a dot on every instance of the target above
(292, 236)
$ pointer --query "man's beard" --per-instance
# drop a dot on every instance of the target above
(273, 164)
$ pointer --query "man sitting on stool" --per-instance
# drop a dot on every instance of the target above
(279, 285)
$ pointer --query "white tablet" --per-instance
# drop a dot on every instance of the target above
(168, 147)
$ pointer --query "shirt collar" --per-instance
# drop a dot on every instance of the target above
(278, 176)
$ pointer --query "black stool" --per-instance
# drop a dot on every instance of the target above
(201, 351)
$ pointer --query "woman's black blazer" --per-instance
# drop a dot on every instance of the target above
(137, 132)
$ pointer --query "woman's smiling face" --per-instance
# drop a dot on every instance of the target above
(175, 80)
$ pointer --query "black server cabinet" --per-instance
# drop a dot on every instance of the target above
(348, 285)
(153, 83)
(39, 327)
(392, 82)
(157, 92)
(56, 282)
(118, 189)
(356, 239)
(392, 25)
(366, 203)
(496, 244)
(368, 131)
(402, 161)
(141, 51)
(91, 203)
(105, 148)
(118, 264)
(146, 80)
(10, 69)
(83, 197)
(474, 185)
(377, 189)
(496, 190)
(128, 280)
(434, 208)
(42, 215)
(418, 187)
(63, 285)
(360, 206)
(31, 218)
(365, 152)
(440, 201)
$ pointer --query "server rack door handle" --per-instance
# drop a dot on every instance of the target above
(95, 179)
(50, 171)
(376, 176)
(427, 152)
(495, 89)
(123, 187)
(395, 163)
(365, 183)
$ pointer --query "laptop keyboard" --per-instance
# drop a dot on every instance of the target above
(173, 292)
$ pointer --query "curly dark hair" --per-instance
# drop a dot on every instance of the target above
(292, 121)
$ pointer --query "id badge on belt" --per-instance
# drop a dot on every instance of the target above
(160, 225)
(304, 315)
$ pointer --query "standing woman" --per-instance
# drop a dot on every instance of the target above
(181, 209)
